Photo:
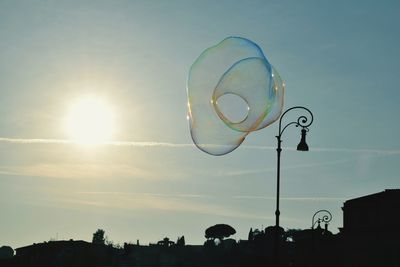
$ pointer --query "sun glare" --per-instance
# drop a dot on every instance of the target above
(90, 121)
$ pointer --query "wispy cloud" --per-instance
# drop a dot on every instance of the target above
(311, 199)
(144, 194)
(67, 141)
(359, 150)
(334, 150)
(273, 169)
(82, 170)
(190, 145)
(206, 196)
(187, 203)
(159, 201)
(34, 141)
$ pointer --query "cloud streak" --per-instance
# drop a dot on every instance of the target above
(273, 169)
(189, 145)
(310, 199)
(67, 141)
(334, 150)
(204, 196)
(159, 201)
(86, 171)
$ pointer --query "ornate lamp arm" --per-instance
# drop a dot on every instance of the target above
(326, 218)
(302, 121)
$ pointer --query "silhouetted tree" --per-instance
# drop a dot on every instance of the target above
(251, 235)
(219, 231)
(181, 241)
(6, 252)
(98, 237)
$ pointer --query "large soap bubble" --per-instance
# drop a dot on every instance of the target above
(232, 91)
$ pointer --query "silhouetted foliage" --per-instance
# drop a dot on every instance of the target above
(250, 237)
(181, 241)
(98, 237)
(219, 231)
(6, 252)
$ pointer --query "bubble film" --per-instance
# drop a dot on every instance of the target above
(232, 91)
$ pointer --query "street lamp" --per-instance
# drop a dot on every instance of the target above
(324, 217)
(302, 121)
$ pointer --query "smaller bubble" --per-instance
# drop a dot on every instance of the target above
(232, 108)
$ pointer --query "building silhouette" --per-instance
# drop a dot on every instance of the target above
(372, 213)
(371, 230)
(66, 253)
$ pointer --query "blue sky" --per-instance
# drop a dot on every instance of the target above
(339, 58)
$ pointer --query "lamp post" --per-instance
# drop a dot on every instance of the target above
(304, 122)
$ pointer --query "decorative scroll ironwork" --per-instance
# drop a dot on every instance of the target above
(324, 216)
(302, 121)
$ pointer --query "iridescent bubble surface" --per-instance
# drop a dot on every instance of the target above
(232, 91)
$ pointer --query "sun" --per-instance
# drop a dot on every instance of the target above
(90, 120)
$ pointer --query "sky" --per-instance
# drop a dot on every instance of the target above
(338, 58)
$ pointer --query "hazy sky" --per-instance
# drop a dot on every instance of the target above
(339, 58)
